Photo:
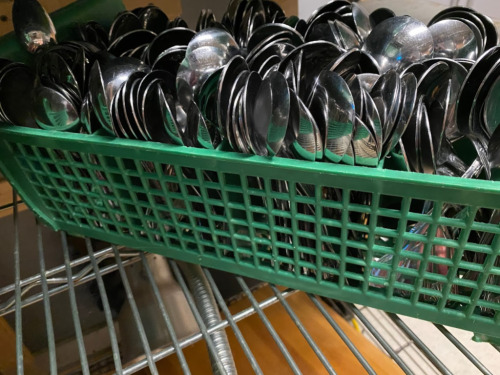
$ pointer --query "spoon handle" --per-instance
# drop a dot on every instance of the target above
(474, 169)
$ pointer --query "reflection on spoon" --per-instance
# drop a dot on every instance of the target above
(32, 24)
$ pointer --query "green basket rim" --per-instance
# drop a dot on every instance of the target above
(78, 142)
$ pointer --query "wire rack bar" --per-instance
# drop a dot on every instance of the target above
(49, 274)
(416, 360)
(269, 326)
(381, 340)
(74, 308)
(135, 313)
(166, 317)
(303, 331)
(77, 280)
(466, 352)
(107, 310)
(420, 344)
(51, 343)
(342, 335)
(18, 307)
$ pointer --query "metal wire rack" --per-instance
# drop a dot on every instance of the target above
(100, 264)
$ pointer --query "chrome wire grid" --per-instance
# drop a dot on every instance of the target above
(387, 331)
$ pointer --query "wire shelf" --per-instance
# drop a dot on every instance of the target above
(102, 264)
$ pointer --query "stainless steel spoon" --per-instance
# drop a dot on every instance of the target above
(32, 25)
(333, 108)
(280, 112)
(399, 41)
(53, 111)
(454, 39)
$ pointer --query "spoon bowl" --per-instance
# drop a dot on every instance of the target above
(399, 41)
(32, 25)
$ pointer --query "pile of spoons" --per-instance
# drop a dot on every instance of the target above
(62, 80)
(343, 86)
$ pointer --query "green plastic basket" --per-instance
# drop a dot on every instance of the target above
(224, 210)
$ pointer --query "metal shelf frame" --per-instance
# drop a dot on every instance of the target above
(41, 287)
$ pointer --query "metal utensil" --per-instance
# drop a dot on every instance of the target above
(52, 111)
(154, 19)
(408, 98)
(270, 30)
(304, 146)
(280, 99)
(399, 41)
(380, 14)
(467, 120)
(332, 107)
(169, 118)
(257, 112)
(364, 145)
(361, 20)
(454, 39)
(123, 24)
(32, 25)
(174, 37)
(491, 111)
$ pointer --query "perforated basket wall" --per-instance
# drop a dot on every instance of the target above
(272, 219)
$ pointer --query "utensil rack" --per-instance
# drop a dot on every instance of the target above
(389, 332)
(275, 219)
(209, 210)
(76, 271)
